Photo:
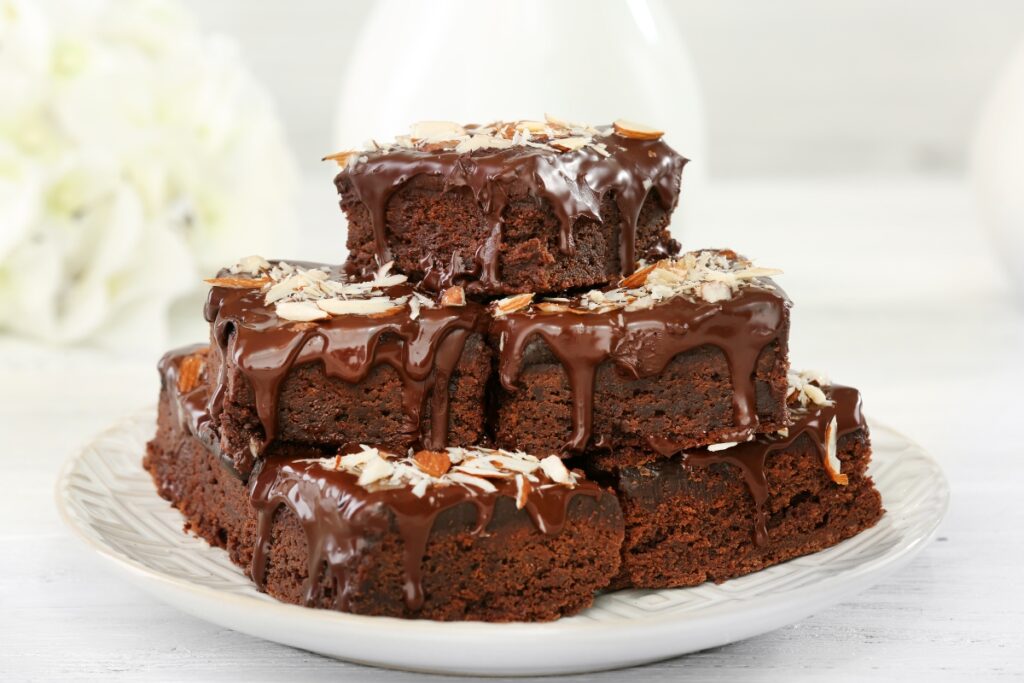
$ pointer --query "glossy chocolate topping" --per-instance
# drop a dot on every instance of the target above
(573, 183)
(191, 402)
(750, 457)
(642, 343)
(341, 518)
(424, 350)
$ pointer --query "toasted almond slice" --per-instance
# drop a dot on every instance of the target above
(532, 126)
(638, 278)
(341, 158)
(434, 463)
(436, 130)
(713, 292)
(238, 282)
(522, 491)
(373, 305)
(556, 122)
(832, 463)
(376, 469)
(453, 296)
(548, 307)
(555, 469)
(816, 395)
(511, 304)
(470, 480)
(637, 131)
(300, 311)
(189, 371)
(569, 144)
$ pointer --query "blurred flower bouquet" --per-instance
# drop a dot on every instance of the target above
(136, 156)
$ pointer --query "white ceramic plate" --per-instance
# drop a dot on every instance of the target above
(109, 501)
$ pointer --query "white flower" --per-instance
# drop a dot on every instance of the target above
(136, 156)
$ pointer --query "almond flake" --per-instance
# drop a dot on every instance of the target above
(300, 311)
(832, 463)
(555, 469)
(470, 480)
(548, 307)
(189, 371)
(512, 304)
(713, 292)
(376, 469)
(436, 130)
(569, 144)
(522, 491)
(637, 131)
(378, 304)
(722, 446)
(238, 282)
(434, 463)
(637, 278)
(341, 158)
(453, 296)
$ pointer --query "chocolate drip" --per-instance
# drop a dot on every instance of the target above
(341, 519)
(191, 406)
(750, 457)
(423, 351)
(643, 343)
(573, 183)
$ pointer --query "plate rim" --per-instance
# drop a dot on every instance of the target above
(845, 583)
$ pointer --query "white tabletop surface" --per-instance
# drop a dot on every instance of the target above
(896, 291)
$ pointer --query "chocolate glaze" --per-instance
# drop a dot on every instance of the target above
(573, 183)
(642, 343)
(341, 518)
(424, 352)
(192, 406)
(751, 456)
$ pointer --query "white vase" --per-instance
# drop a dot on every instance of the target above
(998, 174)
(479, 61)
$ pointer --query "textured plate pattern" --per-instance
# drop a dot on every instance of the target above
(109, 501)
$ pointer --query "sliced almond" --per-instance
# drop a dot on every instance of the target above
(832, 463)
(556, 122)
(637, 278)
(532, 126)
(556, 470)
(470, 480)
(713, 292)
(522, 491)
(376, 469)
(238, 282)
(569, 144)
(453, 296)
(341, 158)
(436, 130)
(434, 463)
(189, 371)
(373, 305)
(816, 395)
(300, 311)
(637, 131)
(511, 304)
(548, 307)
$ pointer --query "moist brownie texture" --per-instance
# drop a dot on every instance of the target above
(302, 353)
(525, 206)
(473, 534)
(684, 353)
(713, 514)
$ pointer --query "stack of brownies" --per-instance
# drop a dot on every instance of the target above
(514, 394)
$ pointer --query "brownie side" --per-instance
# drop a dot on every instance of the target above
(689, 403)
(433, 226)
(687, 525)
(318, 409)
(512, 572)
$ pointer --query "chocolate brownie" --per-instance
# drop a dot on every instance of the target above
(505, 208)
(711, 514)
(456, 534)
(683, 353)
(303, 353)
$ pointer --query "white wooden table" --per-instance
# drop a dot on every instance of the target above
(896, 292)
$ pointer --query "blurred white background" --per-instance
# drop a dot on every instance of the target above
(840, 146)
